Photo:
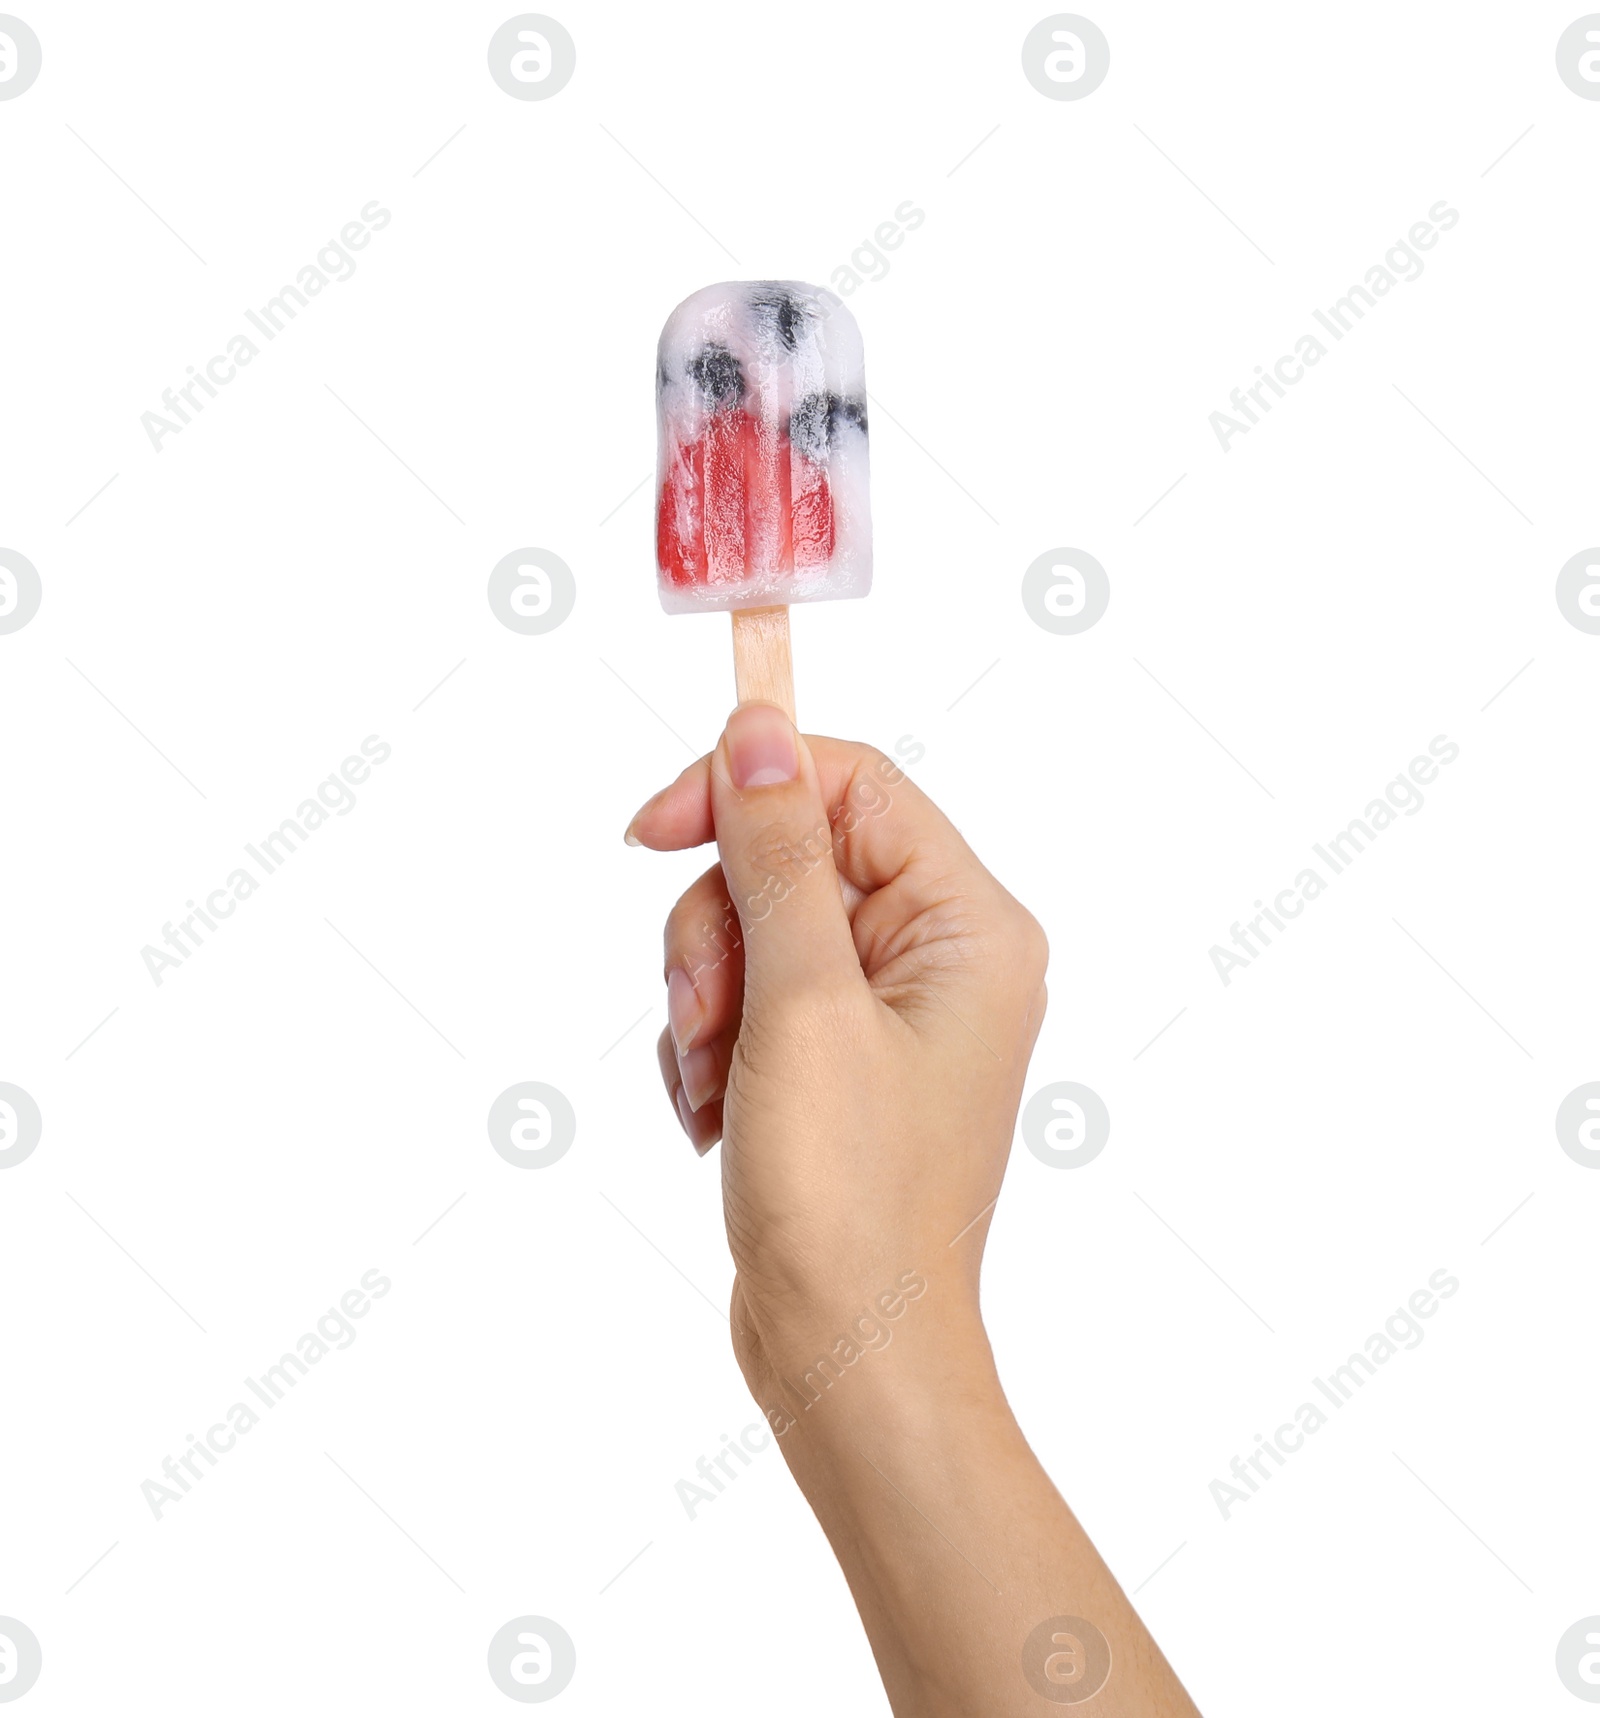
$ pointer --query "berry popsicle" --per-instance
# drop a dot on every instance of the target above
(761, 466)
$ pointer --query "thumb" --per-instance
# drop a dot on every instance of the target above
(777, 855)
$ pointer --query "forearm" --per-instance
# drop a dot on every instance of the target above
(956, 1545)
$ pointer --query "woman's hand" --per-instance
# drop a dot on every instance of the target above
(853, 1000)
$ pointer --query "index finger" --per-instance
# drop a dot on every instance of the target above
(880, 820)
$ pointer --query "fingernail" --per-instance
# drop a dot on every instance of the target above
(698, 1071)
(686, 1115)
(683, 1008)
(633, 822)
(761, 746)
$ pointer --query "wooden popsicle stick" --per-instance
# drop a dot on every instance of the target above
(763, 669)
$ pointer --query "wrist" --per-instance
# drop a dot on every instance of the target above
(827, 1377)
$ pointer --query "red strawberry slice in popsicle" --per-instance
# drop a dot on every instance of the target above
(738, 499)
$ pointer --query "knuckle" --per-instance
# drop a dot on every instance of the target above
(701, 927)
(786, 853)
(870, 791)
(878, 765)
(811, 1023)
(1030, 945)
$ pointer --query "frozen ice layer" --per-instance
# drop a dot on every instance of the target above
(761, 470)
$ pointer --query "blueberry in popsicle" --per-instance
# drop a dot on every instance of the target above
(761, 474)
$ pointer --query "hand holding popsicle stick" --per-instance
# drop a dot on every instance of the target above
(852, 1002)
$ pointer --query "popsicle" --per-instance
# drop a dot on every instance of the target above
(761, 467)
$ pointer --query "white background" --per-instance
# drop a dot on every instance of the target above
(275, 1119)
